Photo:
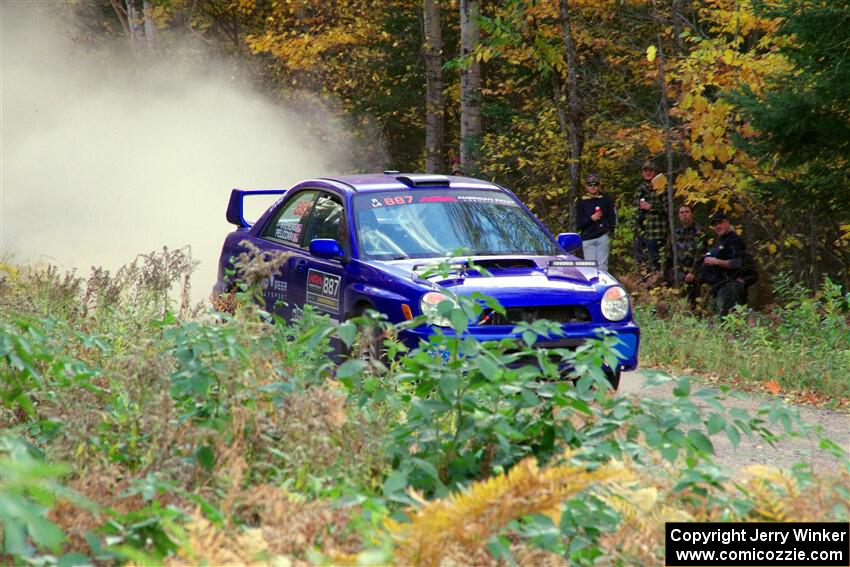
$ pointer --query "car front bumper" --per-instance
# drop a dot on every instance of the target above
(628, 335)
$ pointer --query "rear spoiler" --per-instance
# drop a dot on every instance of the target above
(234, 206)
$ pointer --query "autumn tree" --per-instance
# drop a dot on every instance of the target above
(801, 123)
(572, 121)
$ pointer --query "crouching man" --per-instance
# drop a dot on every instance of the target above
(723, 266)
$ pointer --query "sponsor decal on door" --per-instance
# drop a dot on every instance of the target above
(323, 291)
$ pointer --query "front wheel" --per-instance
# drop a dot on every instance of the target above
(369, 345)
(613, 377)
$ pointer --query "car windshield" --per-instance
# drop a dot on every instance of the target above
(395, 225)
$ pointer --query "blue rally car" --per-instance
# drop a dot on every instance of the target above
(366, 241)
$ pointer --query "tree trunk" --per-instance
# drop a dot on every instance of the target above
(432, 48)
(470, 90)
(150, 25)
(668, 150)
(133, 21)
(813, 247)
(574, 115)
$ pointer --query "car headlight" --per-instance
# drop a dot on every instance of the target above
(428, 304)
(615, 303)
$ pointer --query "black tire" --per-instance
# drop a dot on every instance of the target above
(613, 378)
(370, 335)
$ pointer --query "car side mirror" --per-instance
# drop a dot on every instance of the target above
(569, 241)
(325, 248)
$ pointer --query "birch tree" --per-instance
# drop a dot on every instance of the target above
(470, 88)
(432, 48)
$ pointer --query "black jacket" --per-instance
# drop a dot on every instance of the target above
(586, 206)
(730, 246)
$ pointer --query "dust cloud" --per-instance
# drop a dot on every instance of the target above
(105, 156)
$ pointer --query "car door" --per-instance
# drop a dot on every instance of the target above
(322, 280)
(285, 232)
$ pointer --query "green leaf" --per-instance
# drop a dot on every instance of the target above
(700, 442)
(74, 560)
(500, 548)
(579, 405)
(683, 388)
(15, 536)
(205, 457)
(739, 414)
(427, 467)
(45, 533)
(670, 452)
(350, 368)
(396, 482)
(487, 367)
(445, 307)
(675, 437)
(715, 423)
(470, 347)
(504, 428)
(448, 386)
(530, 398)
(785, 420)
(347, 332)
(460, 322)
(733, 434)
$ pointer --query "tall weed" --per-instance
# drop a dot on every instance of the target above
(803, 344)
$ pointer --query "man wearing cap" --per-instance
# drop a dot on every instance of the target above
(596, 220)
(722, 263)
(650, 221)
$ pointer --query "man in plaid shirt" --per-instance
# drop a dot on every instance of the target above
(650, 221)
(690, 243)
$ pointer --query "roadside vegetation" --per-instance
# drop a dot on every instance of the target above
(798, 345)
(136, 429)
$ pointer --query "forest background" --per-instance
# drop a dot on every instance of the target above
(743, 104)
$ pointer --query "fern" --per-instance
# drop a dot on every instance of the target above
(467, 520)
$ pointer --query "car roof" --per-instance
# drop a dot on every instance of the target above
(394, 180)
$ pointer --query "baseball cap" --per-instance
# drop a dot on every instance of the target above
(649, 165)
(717, 217)
(592, 177)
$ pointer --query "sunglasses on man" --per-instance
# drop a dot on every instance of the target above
(592, 183)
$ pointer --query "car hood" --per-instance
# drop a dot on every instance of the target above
(513, 279)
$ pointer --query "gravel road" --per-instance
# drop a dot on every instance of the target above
(752, 450)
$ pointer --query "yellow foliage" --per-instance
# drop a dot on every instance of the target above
(655, 143)
(772, 492)
(467, 520)
(651, 52)
(205, 544)
(10, 270)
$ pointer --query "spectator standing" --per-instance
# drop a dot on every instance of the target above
(689, 241)
(597, 219)
(650, 221)
(721, 266)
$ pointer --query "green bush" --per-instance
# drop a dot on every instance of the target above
(185, 427)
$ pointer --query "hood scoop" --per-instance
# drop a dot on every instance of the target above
(507, 264)
(463, 267)
(572, 264)
(569, 270)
